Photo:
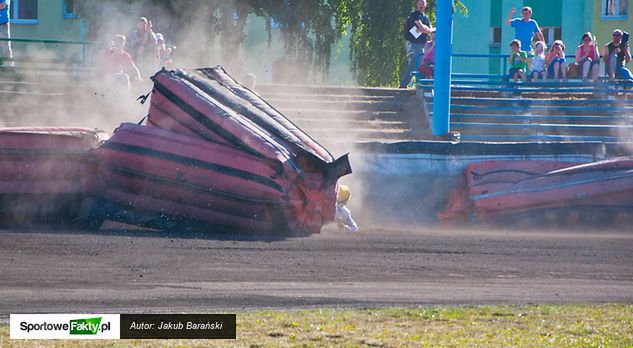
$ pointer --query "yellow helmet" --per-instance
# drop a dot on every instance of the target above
(343, 194)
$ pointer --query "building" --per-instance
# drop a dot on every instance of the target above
(484, 32)
(610, 15)
(46, 20)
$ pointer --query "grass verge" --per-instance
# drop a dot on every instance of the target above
(604, 325)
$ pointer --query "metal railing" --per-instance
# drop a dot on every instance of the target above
(503, 57)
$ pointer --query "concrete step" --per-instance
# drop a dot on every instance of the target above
(358, 115)
(264, 89)
(501, 138)
(308, 123)
(539, 110)
(481, 128)
(529, 119)
(526, 102)
(317, 104)
(533, 95)
(334, 135)
(335, 97)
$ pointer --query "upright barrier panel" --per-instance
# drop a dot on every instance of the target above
(442, 84)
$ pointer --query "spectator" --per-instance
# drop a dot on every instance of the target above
(427, 68)
(117, 64)
(587, 58)
(524, 27)
(5, 30)
(538, 63)
(143, 44)
(343, 216)
(415, 45)
(616, 55)
(518, 61)
(555, 61)
(250, 80)
(163, 52)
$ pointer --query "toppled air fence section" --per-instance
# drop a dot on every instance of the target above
(213, 152)
(46, 174)
(213, 156)
(543, 192)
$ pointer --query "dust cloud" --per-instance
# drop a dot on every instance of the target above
(77, 96)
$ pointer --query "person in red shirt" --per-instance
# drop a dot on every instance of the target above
(118, 64)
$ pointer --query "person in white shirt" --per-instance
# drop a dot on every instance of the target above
(538, 63)
(343, 217)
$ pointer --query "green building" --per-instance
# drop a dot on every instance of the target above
(610, 15)
(46, 20)
(484, 31)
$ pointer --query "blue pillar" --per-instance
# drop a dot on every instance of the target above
(443, 63)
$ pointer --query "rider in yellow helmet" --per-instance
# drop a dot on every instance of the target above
(343, 216)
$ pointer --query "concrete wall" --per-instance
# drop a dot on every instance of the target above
(409, 183)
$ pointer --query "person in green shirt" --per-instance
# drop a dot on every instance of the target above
(518, 61)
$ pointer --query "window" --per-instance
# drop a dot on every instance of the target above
(614, 9)
(495, 36)
(551, 34)
(24, 11)
(70, 9)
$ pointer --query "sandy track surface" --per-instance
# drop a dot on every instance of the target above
(125, 271)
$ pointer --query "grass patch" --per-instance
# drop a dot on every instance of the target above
(605, 325)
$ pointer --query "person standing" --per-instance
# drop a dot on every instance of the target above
(117, 65)
(415, 43)
(524, 27)
(616, 55)
(163, 52)
(143, 50)
(5, 30)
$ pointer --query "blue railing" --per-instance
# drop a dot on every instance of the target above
(503, 57)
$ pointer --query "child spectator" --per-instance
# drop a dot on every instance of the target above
(343, 217)
(587, 58)
(538, 63)
(250, 80)
(525, 27)
(518, 61)
(427, 68)
(117, 64)
(616, 55)
(555, 61)
(164, 52)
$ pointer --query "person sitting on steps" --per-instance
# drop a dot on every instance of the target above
(538, 62)
(617, 55)
(555, 62)
(587, 58)
(518, 61)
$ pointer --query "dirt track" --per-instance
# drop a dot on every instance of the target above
(137, 271)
